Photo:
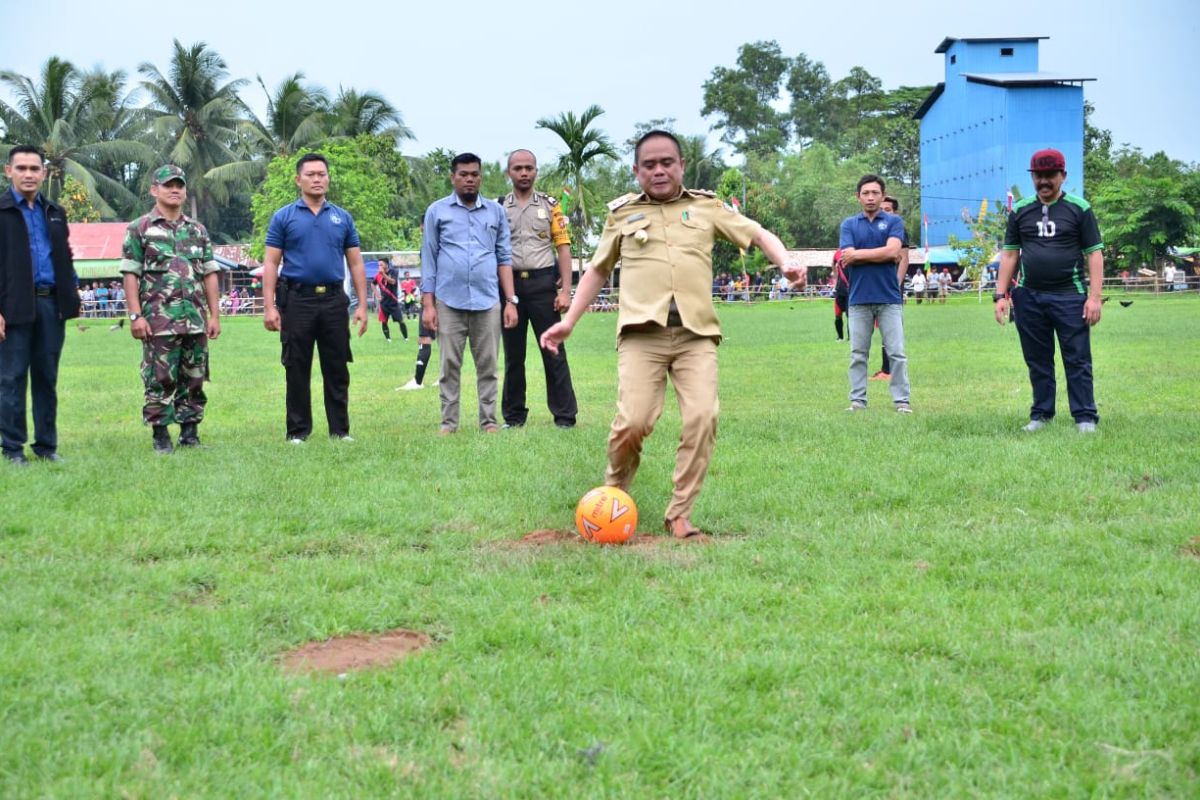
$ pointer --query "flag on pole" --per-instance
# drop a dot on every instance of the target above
(1010, 200)
(737, 207)
(564, 200)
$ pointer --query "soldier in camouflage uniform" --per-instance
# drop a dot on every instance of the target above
(170, 276)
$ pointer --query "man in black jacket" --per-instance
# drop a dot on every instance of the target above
(37, 295)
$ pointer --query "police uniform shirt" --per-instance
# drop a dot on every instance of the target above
(537, 231)
(1054, 241)
(665, 250)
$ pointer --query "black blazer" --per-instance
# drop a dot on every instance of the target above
(16, 263)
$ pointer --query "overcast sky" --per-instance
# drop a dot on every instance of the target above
(476, 76)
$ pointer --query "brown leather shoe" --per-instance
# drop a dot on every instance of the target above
(491, 429)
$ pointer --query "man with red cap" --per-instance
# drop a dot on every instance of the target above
(1053, 246)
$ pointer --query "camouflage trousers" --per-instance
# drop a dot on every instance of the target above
(174, 369)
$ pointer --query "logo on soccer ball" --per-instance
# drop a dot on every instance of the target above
(606, 515)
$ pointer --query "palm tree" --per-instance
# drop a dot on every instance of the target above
(72, 117)
(702, 169)
(296, 116)
(297, 119)
(196, 115)
(353, 113)
(584, 145)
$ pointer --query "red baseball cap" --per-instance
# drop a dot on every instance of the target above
(1048, 160)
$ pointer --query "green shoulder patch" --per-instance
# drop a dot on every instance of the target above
(1076, 200)
(1025, 201)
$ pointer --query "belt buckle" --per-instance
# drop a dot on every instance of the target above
(523, 274)
(320, 289)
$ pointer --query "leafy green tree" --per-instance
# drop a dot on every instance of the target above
(1142, 215)
(741, 99)
(197, 112)
(584, 144)
(356, 185)
(76, 202)
(982, 246)
(72, 117)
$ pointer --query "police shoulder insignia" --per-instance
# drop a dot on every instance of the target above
(613, 205)
(550, 201)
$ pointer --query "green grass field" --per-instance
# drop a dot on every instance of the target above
(925, 606)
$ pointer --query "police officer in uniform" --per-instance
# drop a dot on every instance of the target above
(541, 253)
(667, 325)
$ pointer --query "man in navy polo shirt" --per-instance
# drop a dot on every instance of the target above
(870, 244)
(305, 302)
(1060, 274)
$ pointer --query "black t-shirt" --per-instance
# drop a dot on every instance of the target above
(1054, 241)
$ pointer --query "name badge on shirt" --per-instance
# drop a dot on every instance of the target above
(541, 213)
(335, 219)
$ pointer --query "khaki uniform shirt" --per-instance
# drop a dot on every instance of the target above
(665, 250)
(537, 231)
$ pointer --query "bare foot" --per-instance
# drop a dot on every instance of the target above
(681, 528)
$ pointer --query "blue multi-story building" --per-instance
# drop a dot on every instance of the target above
(982, 123)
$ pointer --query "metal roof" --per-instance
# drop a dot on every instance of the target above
(949, 40)
(1021, 78)
(929, 101)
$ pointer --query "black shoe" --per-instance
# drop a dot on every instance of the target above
(564, 424)
(16, 458)
(52, 457)
(188, 436)
(162, 440)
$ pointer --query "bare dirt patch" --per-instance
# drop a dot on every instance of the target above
(544, 537)
(354, 652)
(1191, 549)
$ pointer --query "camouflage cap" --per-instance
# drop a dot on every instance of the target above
(169, 173)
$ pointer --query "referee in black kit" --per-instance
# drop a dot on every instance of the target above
(315, 240)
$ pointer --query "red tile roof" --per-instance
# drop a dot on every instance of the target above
(97, 241)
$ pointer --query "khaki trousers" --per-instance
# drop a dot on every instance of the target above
(644, 360)
(455, 328)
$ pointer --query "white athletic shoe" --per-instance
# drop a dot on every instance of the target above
(1034, 425)
(410, 386)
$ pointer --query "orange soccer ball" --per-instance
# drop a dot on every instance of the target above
(606, 515)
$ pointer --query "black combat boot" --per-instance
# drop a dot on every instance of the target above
(162, 440)
(188, 436)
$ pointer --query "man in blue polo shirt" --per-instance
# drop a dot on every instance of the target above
(305, 302)
(870, 244)
(466, 261)
(1060, 274)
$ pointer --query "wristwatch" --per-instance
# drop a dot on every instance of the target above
(998, 296)
(134, 317)
(514, 300)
